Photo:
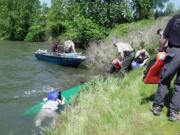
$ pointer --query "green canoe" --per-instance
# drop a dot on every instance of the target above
(68, 94)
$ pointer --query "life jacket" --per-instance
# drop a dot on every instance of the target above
(53, 95)
(153, 70)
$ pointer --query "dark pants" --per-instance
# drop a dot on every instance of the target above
(169, 70)
(128, 58)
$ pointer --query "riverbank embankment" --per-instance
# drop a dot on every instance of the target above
(109, 105)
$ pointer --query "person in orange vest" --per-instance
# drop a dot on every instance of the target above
(171, 68)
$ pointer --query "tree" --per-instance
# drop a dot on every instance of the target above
(170, 8)
(18, 15)
(38, 28)
(142, 7)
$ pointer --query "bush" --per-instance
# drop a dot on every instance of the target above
(36, 34)
(82, 30)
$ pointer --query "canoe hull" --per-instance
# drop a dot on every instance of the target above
(68, 94)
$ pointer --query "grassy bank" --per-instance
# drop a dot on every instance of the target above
(100, 55)
(109, 105)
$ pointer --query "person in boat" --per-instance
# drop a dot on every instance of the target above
(126, 55)
(69, 46)
(171, 68)
(55, 46)
(141, 57)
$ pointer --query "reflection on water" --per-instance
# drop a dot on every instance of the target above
(25, 80)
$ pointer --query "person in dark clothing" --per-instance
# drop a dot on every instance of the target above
(170, 69)
(55, 46)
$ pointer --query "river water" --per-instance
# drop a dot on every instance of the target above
(24, 81)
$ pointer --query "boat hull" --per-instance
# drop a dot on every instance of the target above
(60, 59)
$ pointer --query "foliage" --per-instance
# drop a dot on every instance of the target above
(170, 9)
(69, 20)
(109, 13)
(78, 20)
(82, 30)
(142, 7)
(177, 10)
(37, 30)
(17, 17)
(36, 33)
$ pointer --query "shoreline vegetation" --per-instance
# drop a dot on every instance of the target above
(109, 105)
(79, 20)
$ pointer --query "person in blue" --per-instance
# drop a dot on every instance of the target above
(55, 95)
(50, 108)
(54, 99)
(140, 59)
(171, 69)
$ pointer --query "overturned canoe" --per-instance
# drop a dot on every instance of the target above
(64, 59)
(68, 94)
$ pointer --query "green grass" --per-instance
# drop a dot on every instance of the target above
(118, 107)
(123, 30)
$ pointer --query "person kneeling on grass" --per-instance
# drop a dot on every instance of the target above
(126, 55)
(140, 59)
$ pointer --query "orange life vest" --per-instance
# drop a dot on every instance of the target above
(153, 75)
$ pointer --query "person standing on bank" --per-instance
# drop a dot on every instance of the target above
(126, 53)
(170, 69)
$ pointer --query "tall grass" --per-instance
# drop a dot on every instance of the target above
(118, 107)
(100, 55)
